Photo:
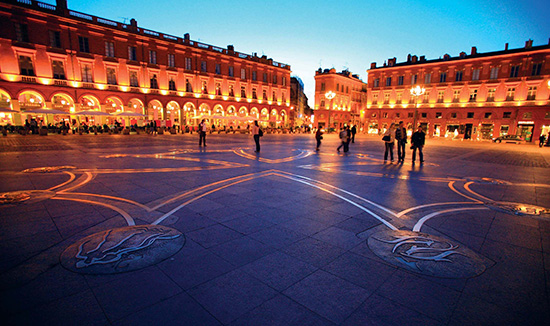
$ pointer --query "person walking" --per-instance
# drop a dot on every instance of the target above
(389, 138)
(401, 137)
(542, 138)
(346, 145)
(417, 140)
(257, 133)
(353, 132)
(202, 133)
(318, 138)
(343, 138)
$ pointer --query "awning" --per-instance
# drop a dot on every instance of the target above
(128, 114)
(92, 113)
(6, 110)
(45, 111)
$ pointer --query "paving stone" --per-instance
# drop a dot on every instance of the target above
(327, 295)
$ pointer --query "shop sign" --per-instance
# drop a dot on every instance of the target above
(526, 122)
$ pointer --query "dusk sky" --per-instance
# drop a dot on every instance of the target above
(338, 34)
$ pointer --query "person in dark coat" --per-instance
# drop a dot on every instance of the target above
(418, 139)
(346, 145)
(343, 138)
(318, 137)
(353, 132)
(401, 137)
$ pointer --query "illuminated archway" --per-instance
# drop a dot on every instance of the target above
(218, 110)
(135, 105)
(264, 114)
(89, 102)
(63, 102)
(173, 113)
(29, 100)
(243, 112)
(204, 109)
(254, 113)
(189, 111)
(113, 104)
(231, 110)
(155, 111)
(5, 99)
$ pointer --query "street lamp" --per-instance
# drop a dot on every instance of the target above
(329, 96)
(416, 92)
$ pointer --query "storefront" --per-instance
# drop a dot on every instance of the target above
(525, 130)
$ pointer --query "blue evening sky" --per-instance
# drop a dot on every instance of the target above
(338, 34)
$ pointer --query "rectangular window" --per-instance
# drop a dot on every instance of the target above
(456, 96)
(254, 75)
(55, 39)
(410, 115)
(453, 115)
(188, 86)
(86, 71)
(254, 95)
(400, 80)
(26, 67)
(386, 98)
(458, 76)
(231, 91)
(283, 79)
(470, 115)
(203, 66)
(275, 79)
(428, 78)
(504, 130)
(83, 44)
(399, 98)
(514, 71)
(443, 77)
(134, 81)
(414, 79)
(488, 115)
(475, 74)
(375, 98)
(204, 87)
(424, 115)
(535, 71)
(132, 53)
(377, 82)
(153, 81)
(188, 64)
(510, 93)
(153, 57)
(172, 84)
(385, 114)
(58, 69)
(111, 76)
(231, 71)
(171, 60)
(506, 115)
(265, 78)
(531, 93)
(110, 49)
(491, 94)
(494, 73)
(22, 32)
(322, 87)
(440, 96)
(218, 69)
(438, 115)
(388, 81)
(243, 92)
(264, 95)
(274, 97)
(473, 95)
(243, 73)
(218, 89)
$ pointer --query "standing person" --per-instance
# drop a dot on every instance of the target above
(257, 133)
(417, 140)
(353, 132)
(202, 133)
(389, 138)
(318, 137)
(542, 138)
(401, 137)
(343, 138)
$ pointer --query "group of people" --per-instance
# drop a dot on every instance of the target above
(399, 134)
(256, 132)
(346, 135)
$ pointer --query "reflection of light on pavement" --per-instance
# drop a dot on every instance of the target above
(244, 154)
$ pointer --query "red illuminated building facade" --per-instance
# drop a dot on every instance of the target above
(54, 58)
(476, 96)
(339, 98)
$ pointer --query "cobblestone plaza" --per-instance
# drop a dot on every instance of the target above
(153, 230)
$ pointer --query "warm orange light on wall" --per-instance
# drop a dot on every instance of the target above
(197, 95)
(101, 86)
(225, 98)
(124, 88)
(45, 81)
(164, 92)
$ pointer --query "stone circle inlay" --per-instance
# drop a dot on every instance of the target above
(426, 254)
(122, 249)
(24, 197)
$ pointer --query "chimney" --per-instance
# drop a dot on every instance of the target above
(422, 58)
(529, 44)
(231, 48)
(186, 36)
(391, 61)
(133, 22)
(414, 59)
(446, 56)
(462, 55)
(409, 58)
(61, 5)
(373, 65)
(506, 47)
(474, 50)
